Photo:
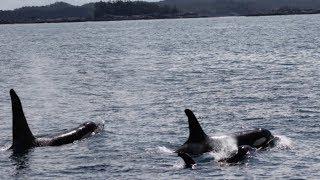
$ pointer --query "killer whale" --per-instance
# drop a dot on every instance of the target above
(189, 162)
(258, 138)
(242, 153)
(199, 143)
(23, 139)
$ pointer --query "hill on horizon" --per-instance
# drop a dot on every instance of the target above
(53, 11)
(126, 9)
(239, 7)
(111, 10)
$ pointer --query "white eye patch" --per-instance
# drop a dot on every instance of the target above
(260, 141)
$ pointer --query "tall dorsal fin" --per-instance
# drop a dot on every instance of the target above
(22, 137)
(196, 133)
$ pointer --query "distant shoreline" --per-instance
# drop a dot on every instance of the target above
(52, 21)
(287, 11)
(120, 10)
(113, 18)
(279, 12)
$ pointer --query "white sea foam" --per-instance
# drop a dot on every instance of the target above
(160, 149)
(284, 142)
(224, 146)
(165, 150)
(179, 165)
(4, 148)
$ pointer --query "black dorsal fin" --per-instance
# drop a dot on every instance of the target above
(21, 135)
(187, 159)
(196, 133)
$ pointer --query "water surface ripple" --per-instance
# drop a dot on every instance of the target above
(137, 77)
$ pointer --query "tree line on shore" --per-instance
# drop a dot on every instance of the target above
(127, 10)
(61, 12)
(130, 8)
(244, 7)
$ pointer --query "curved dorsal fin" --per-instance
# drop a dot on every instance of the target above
(196, 133)
(21, 134)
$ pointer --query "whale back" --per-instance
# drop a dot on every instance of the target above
(78, 133)
(258, 138)
(22, 137)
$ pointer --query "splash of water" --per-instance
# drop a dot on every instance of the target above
(284, 142)
(161, 150)
(165, 150)
(179, 165)
(4, 148)
(224, 146)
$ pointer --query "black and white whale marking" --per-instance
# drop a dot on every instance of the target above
(242, 153)
(199, 143)
(189, 162)
(23, 139)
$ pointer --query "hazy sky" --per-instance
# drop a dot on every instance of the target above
(12, 4)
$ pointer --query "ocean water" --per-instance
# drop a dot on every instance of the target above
(137, 77)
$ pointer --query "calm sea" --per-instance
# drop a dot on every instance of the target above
(137, 77)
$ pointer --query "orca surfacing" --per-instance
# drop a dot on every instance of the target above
(23, 139)
(242, 153)
(199, 143)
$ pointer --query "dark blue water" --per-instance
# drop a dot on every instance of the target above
(137, 77)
